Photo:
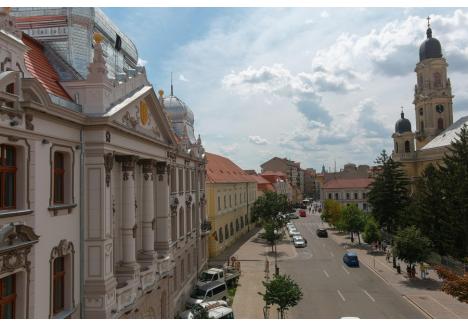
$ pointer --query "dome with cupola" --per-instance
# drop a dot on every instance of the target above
(403, 124)
(430, 48)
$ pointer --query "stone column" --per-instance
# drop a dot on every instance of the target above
(163, 223)
(147, 255)
(128, 224)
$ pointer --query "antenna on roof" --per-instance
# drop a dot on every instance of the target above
(172, 86)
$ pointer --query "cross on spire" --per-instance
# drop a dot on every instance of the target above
(428, 22)
(172, 87)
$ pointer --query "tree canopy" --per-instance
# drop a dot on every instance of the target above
(411, 246)
(353, 220)
(331, 212)
(282, 291)
(389, 194)
(371, 230)
(267, 206)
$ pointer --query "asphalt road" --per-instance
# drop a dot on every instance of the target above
(333, 290)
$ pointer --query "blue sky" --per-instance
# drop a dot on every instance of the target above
(312, 84)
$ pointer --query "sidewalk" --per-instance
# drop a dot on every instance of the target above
(252, 253)
(422, 293)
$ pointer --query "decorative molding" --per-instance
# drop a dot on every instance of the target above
(28, 119)
(108, 165)
(64, 248)
(108, 137)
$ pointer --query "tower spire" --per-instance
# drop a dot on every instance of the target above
(402, 113)
(172, 86)
(429, 30)
(428, 22)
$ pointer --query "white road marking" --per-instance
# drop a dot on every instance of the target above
(326, 274)
(344, 268)
(370, 297)
(342, 297)
(331, 253)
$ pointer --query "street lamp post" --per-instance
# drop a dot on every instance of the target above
(276, 262)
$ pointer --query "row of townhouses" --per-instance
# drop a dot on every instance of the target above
(102, 199)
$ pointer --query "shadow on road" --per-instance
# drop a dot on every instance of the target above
(417, 283)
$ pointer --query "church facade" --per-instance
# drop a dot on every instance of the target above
(433, 108)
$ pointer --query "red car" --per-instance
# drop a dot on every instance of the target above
(302, 213)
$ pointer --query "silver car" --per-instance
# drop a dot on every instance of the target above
(299, 242)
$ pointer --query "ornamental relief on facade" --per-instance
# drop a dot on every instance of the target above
(140, 118)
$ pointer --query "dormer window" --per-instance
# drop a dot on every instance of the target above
(118, 42)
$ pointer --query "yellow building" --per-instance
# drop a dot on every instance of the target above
(435, 128)
(230, 195)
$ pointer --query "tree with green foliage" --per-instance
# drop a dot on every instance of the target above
(389, 194)
(371, 230)
(454, 169)
(271, 233)
(268, 206)
(353, 220)
(282, 291)
(411, 245)
(331, 212)
(430, 211)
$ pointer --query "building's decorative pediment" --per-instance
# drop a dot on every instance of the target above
(142, 116)
(15, 234)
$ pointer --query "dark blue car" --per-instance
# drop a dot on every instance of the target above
(351, 259)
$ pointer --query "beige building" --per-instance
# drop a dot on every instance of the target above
(280, 182)
(348, 191)
(293, 172)
(231, 193)
(99, 164)
(435, 128)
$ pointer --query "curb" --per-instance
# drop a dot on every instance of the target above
(418, 306)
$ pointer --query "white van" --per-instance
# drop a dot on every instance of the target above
(216, 310)
(212, 291)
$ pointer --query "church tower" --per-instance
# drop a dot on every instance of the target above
(433, 92)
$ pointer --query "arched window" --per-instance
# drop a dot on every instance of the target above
(226, 231)
(174, 226)
(421, 111)
(437, 80)
(188, 220)
(231, 229)
(237, 225)
(440, 124)
(396, 147)
(220, 235)
(195, 223)
(422, 126)
(407, 146)
(181, 222)
(10, 88)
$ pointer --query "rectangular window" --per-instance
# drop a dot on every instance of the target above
(59, 284)
(173, 180)
(187, 180)
(347, 195)
(8, 177)
(181, 180)
(59, 178)
(355, 195)
(8, 297)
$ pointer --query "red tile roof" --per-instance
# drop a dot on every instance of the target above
(348, 183)
(263, 184)
(222, 170)
(277, 173)
(39, 66)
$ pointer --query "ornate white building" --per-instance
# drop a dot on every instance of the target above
(103, 199)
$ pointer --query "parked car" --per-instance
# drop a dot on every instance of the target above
(351, 259)
(211, 291)
(322, 233)
(292, 216)
(227, 274)
(293, 233)
(302, 213)
(299, 241)
(216, 310)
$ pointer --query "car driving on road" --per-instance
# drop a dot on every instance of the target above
(322, 233)
(351, 259)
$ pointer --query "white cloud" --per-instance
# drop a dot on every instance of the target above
(182, 78)
(324, 14)
(257, 140)
(229, 149)
(141, 62)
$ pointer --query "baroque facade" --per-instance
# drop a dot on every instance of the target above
(433, 109)
(101, 165)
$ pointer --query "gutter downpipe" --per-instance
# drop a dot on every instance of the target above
(81, 224)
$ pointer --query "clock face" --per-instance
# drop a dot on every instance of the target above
(439, 108)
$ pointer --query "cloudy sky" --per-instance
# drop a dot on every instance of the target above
(316, 85)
